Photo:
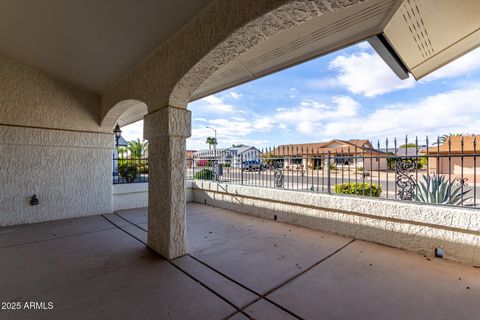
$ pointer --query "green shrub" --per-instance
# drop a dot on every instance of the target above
(360, 169)
(128, 171)
(421, 162)
(359, 189)
(204, 174)
(226, 165)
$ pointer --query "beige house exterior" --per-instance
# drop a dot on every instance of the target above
(341, 152)
(456, 153)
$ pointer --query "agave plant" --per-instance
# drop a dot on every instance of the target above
(437, 189)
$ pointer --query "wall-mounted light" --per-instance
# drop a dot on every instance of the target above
(34, 201)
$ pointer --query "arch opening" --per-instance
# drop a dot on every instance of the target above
(124, 113)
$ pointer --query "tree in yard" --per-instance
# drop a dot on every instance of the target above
(444, 138)
(211, 141)
(408, 145)
(122, 152)
(138, 149)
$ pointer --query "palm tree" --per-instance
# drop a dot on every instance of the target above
(211, 141)
(138, 149)
(444, 138)
(122, 151)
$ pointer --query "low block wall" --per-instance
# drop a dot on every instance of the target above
(410, 226)
(135, 195)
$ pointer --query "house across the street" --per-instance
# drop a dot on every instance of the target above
(232, 155)
(342, 152)
(452, 154)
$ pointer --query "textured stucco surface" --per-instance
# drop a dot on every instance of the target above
(219, 34)
(414, 227)
(50, 145)
(31, 98)
(69, 172)
(129, 196)
(135, 195)
(167, 130)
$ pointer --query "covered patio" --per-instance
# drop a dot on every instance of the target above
(238, 267)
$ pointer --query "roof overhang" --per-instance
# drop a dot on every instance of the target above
(427, 34)
(411, 36)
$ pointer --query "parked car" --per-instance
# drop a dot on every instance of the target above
(252, 165)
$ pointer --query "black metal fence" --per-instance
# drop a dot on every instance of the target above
(130, 170)
(444, 172)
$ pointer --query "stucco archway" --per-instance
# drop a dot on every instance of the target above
(219, 34)
(132, 110)
(166, 80)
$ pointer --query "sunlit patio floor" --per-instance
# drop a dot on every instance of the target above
(238, 267)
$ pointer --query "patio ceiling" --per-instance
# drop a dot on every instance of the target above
(89, 43)
(93, 44)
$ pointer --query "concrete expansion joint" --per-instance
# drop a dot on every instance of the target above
(237, 310)
(264, 296)
(55, 238)
(260, 296)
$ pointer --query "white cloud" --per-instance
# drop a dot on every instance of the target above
(367, 74)
(309, 117)
(234, 95)
(215, 104)
(133, 131)
(437, 114)
(200, 119)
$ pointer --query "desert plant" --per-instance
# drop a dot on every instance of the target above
(437, 189)
(204, 174)
(359, 189)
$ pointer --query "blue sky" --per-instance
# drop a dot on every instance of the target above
(349, 94)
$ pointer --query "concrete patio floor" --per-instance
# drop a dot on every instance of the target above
(238, 267)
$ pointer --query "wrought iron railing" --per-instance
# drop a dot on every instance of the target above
(130, 170)
(442, 173)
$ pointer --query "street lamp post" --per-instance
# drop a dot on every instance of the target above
(118, 133)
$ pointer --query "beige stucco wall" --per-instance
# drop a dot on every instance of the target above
(135, 195)
(453, 165)
(373, 164)
(409, 226)
(50, 145)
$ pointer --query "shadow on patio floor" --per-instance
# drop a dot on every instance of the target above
(238, 267)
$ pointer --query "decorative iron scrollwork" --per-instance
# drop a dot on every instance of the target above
(278, 175)
(461, 181)
(405, 182)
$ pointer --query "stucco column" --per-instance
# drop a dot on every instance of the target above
(166, 131)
